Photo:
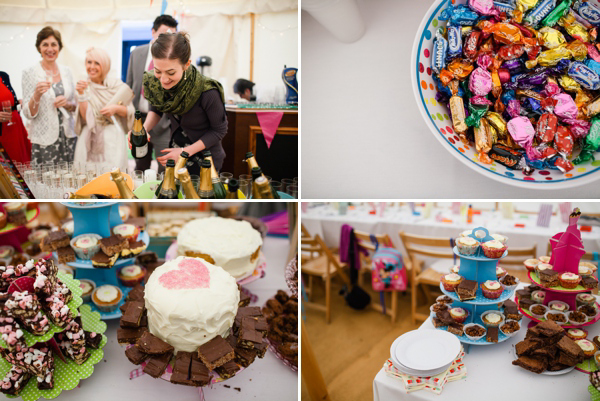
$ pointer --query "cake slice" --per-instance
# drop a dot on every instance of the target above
(466, 290)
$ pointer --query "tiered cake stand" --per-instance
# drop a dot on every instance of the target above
(478, 268)
(99, 218)
(567, 250)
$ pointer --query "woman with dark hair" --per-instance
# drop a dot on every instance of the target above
(13, 135)
(194, 103)
(49, 102)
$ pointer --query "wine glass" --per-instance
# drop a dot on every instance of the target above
(49, 77)
(7, 108)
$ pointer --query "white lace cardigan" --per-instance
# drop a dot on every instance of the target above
(43, 127)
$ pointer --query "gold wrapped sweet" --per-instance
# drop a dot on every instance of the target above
(522, 7)
(485, 137)
(457, 109)
(574, 28)
(578, 50)
(550, 57)
(568, 83)
(550, 37)
(591, 109)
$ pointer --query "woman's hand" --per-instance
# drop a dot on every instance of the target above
(171, 153)
(60, 101)
(41, 88)
(129, 139)
(81, 86)
(109, 111)
(4, 117)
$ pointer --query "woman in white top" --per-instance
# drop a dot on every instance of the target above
(105, 114)
(49, 105)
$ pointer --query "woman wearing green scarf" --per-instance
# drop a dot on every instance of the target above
(193, 102)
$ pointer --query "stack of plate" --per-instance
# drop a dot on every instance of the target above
(424, 352)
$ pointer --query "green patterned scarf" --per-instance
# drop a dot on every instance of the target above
(182, 97)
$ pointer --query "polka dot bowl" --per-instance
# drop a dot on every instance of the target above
(437, 117)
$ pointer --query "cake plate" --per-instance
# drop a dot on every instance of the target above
(478, 268)
(527, 313)
(8, 235)
(258, 272)
(99, 218)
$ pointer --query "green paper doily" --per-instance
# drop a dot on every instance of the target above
(595, 394)
(589, 365)
(75, 303)
(66, 375)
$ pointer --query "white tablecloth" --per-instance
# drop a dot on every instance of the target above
(325, 221)
(265, 379)
(491, 376)
(370, 140)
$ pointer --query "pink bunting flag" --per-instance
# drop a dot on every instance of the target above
(269, 122)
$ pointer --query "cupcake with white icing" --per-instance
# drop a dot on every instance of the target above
(132, 275)
(107, 298)
(493, 249)
(467, 245)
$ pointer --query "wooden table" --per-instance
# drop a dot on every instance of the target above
(245, 134)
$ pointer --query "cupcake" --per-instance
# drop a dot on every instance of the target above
(88, 287)
(459, 314)
(15, 213)
(493, 249)
(589, 310)
(132, 275)
(509, 282)
(576, 318)
(467, 245)
(510, 327)
(451, 281)
(544, 259)
(585, 299)
(2, 220)
(558, 306)
(542, 266)
(466, 233)
(500, 272)
(69, 227)
(557, 317)
(6, 251)
(128, 231)
(569, 280)
(474, 331)
(86, 245)
(36, 236)
(585, 271)
(576, 334)
(501, 238)
(588, 347)
(590, 265)
(538, 296)
(491, 289)
(455, 269)
(538, 311)
(530, 264)
(492, 318)
(107, 298)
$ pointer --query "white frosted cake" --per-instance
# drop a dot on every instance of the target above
(189, 302)
(232, 244)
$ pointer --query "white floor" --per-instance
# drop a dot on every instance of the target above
(362, 133)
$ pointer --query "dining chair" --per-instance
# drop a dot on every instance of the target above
(365, 241)
(320, 262)
(420, 277)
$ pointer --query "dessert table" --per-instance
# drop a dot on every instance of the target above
(266, 378)
(491, 374)
(325, 221)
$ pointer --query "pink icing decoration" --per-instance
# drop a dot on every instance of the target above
(191, 274)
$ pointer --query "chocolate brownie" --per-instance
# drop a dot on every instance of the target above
(437, 323)
(466, 290)
(244, 356)
(456, 328)
(492, 335)
(136, 294)
(227, 370)
(548, 328)
(133, 314)
(135, 356)
(157, 364)
(65, 254)
(113, 245)
(526, 303)
(538, 309)
(199, 373)
(244, 299)
(150, 344)
(103, 261)
(439, 307)
(589, 282)
(511, 312)
(509, 304)
(532, 364)
(130, 336)
(261, 349)
(215, 353)
(445, 317)
(523, 293)
(526, 347)
(569, 347)
(54, 240)
(549, 278)
(181, 369)
(132, 249)
(146, 258)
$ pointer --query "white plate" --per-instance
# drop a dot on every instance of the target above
(545, 372)
(426, 350)
(419, 373)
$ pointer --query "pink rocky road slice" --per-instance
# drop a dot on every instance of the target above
(191, 274)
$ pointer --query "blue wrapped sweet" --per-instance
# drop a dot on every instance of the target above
(587, 11)
(593, 64)
(440, 51)
(539, 12)
(584, 75)
(459, 15)
(505, 6)
(454, 41)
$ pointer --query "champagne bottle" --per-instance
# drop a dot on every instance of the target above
(72, 195)
(119, 181)
(186, 183)
(206, 187)
(139, 138)
(232, 186)
(256, 173)
(181, 162)
(251, 160)
(218, 187)
(168, 189)
(264, 189)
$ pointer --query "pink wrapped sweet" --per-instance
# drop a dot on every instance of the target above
(480, 81)
(485, 7)
(565, 106)
(522, 131)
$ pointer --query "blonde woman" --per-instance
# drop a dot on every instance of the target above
(105, 114)
(49, 102)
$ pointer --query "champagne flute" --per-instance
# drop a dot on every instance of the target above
(7, 108)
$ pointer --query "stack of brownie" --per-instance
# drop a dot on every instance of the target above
(466, 290)
(58, 241)
(224, 356)
(524, 296)
(281, 312)
(546, 347)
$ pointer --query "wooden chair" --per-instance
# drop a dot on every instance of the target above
(419, 278)
(365, 242)
(319, 261)
(516, 257)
